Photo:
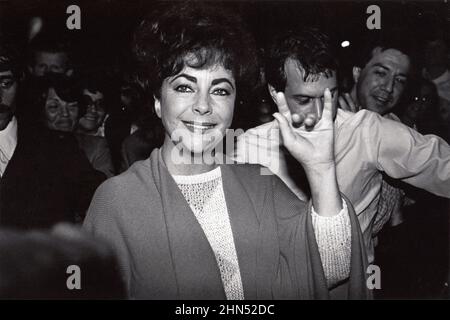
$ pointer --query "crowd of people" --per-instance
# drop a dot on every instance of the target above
(293, 211)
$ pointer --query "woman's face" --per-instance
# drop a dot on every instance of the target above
(95, 111)
(59, 114)
(197, 106)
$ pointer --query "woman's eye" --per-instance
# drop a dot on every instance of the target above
(221, 92)
(184, 88)
(400, 80)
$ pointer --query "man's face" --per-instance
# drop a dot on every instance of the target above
(8, 90)
(380, 84)
(45, 62)
(306, 97)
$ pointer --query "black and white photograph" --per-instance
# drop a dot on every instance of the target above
(221, 151)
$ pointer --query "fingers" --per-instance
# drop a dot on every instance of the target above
(310, 121)
(327, 105)
(343, 104)
(346, 103)
(350, 102)
(282, 105)
(286, 131)
(297, 120)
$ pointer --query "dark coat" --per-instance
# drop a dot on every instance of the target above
(48, 180)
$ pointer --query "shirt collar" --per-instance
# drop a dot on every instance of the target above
(8, 139)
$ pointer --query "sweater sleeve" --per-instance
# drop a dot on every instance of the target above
(333, 237)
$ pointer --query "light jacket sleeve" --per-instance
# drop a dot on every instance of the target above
(403, 153)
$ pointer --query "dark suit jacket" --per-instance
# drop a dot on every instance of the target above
(48, 180)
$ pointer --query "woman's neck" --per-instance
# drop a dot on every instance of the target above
(183, 163)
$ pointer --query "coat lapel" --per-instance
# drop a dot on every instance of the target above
(245, 226)
(196, 270)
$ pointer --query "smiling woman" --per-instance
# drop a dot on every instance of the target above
(59, 105)
(59, 102)
(197, 230)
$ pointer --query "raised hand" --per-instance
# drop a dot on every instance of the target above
(309, 139)
(312, 144)
(346, 103)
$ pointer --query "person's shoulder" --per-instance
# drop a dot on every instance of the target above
(360, 116)
(134, 176)
(361, 120)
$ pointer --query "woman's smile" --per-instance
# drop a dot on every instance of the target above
(199, 127)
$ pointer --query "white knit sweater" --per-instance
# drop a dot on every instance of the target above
(204, 194)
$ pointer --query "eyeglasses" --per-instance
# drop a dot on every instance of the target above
(421, 99)
(88, 102)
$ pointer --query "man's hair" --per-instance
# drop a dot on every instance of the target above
(397, 39)
(49, 43)
(9, 59)
(210, 34)
(310, 48)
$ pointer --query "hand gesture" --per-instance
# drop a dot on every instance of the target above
(308, 141)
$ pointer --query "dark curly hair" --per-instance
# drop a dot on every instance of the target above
(309, 47)
(395, 38)
(213, 35)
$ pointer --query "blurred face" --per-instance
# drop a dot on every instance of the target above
(380, 84)
(46, 62)
(306, 97)
(196, 106)
(420, 103)
(95, 111)
(60, 115)
(8, 90)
